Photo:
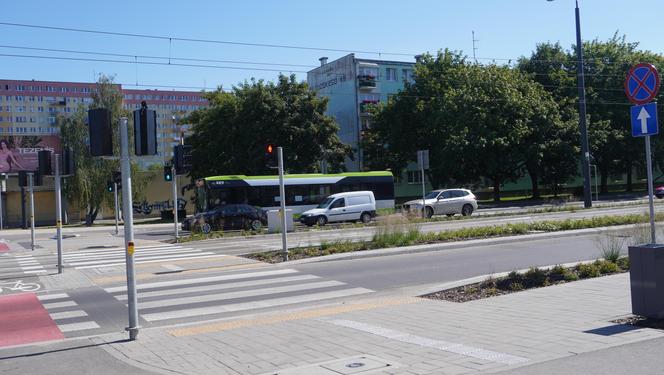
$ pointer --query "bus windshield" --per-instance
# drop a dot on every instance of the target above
(326, 202)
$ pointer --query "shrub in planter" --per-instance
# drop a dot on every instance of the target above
(515, 286)
(607, 267)
(587, 270)
(623, 263)
(535, 277)
(560, 273)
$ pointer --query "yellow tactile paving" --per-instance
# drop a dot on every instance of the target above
(305, 314)
(144, 276)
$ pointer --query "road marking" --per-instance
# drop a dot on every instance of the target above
(48, 297)
(32, 268)
(145, 276)
(207, 288)
(121, 253)
(253, 305)
(68, 314)
(162, 259)
(468, 351)
(115, 258)
(37, 271)
(238, 294)
(291, 316)
(71, 327)
(57, 305)
(202, 280)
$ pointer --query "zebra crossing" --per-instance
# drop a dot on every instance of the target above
(244, 292)
(66, 313)
(21, 265)
(115, 256)
(29, 265)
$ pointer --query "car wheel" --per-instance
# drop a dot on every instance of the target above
(206, 228)
(428, 212)
(256, 225)
(659, 196)
(321, 220)
(467, 210)
(365, 217)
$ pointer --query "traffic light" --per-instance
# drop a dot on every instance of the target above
(145, 131)
(44, 159)
(270, 156)
(109, 186)
(67, 162)
(100, 132)
(117, 178)
(182, 158)
(168, 173)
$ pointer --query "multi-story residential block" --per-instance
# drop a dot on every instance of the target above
(30, 108)
(352, 85)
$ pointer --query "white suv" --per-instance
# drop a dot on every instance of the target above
(444, 202)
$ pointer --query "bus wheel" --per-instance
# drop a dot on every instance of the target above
(321, 220)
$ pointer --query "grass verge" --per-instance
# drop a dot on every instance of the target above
(398, 232)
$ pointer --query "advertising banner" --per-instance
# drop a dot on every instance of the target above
(19, 153)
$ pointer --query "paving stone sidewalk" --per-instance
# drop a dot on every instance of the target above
(399, 335)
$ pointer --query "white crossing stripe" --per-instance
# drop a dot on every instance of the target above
(238, 294)
(137, 253)
(162, 259)
(32, 267)
(77, 326)
(74, 254)
(87, 261)
(36, 271)
(68, 314)
(57, 305)
(253, 305)
(27, 262)
(48, 297)
(201, 280)
(208, 288)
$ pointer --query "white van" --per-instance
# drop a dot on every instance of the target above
(351, 206)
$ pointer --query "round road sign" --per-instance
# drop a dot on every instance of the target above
(642, 83)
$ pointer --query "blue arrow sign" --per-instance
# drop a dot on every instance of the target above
(644, 120)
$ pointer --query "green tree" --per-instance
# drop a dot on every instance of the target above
(230, 136)
(87, 186)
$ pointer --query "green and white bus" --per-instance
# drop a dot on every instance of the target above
(303, 191)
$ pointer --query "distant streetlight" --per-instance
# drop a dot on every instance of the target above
(585, 159)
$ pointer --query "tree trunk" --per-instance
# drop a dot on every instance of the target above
(91, 216)
(534, 183)
(629, 177)
(604, 187)
(496, 190)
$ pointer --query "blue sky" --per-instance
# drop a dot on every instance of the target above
(505, 29)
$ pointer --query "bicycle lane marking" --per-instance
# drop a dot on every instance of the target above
(24, 320)
(3, 247)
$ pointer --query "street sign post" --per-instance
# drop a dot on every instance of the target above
(641, 87)
(423, 163)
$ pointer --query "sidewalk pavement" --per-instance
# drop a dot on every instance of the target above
(397, 334)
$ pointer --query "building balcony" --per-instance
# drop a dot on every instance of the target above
(366, 82)
(365, 107)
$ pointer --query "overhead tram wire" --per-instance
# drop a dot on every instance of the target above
(197, 40)
(150, 63)
(153, 57)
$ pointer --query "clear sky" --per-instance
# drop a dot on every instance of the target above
(504, 29)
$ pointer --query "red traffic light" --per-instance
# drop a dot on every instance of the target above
(270, 148)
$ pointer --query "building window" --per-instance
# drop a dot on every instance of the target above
(414, 177)
(390, 74)
(407, 75)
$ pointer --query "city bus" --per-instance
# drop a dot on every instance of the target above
(303, 191)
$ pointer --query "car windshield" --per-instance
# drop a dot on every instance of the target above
(432, 195)
(326, 202)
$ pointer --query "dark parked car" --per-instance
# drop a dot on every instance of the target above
(228, 216)
(659, 192)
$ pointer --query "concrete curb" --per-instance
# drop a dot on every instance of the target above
(456, 245)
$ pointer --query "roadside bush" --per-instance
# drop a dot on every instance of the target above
(535, 277)
(560, 273)
(610, 246)
(586, 271)
(515, 286)
(623, 263)
(545, 226)
(607, 267)
(395, 230)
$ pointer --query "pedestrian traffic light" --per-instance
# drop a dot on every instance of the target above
(168, 173)
(109, 186)
(117, 179)
(145, 131)
(44, 159)
(100, 132)
(182, 158)
(270, 156)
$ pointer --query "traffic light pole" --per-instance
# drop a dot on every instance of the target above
(132, 299)
(58, 212)
(282, 199)
(117, 214)
(32, 210)
(175, 201)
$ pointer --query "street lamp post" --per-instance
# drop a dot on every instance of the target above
(585, 157)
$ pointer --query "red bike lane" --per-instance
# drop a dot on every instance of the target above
(24, 320)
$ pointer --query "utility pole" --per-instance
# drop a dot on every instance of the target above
(32, 210)
(174, 183)
(474, 48)
(282, 199)
(132, 299)
(117, 214)
(58, 212)
(585, 158)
